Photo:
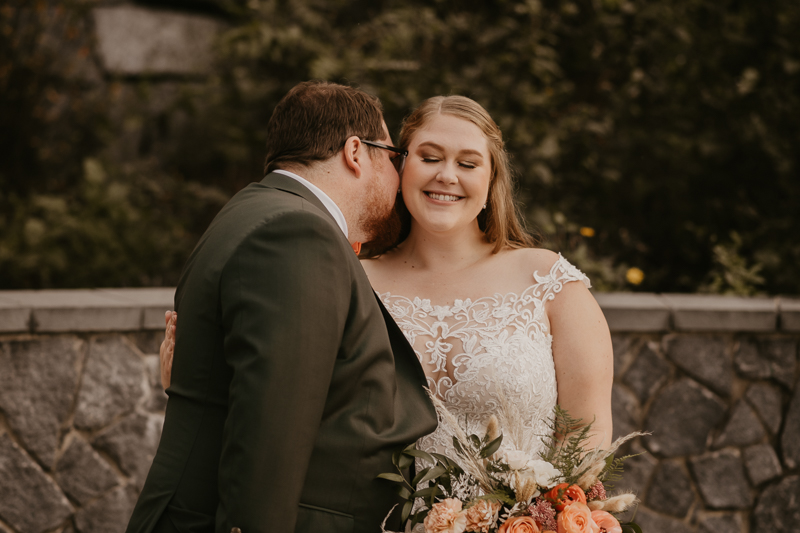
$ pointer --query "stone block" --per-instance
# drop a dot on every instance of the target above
(157, 402)
(762, 464)
(634, 311)
(29, 500)
(82, 474)
(693, 312)
(148, 342)
(38, 382)
(637, 472)
(14, 316)
(789, 309)
(625, 412)
(114, 380)
(153, 302)
(703, 358)
(721, 479)
(623, 354)
(778, 507)
(782, 357)
(109, 514)
(766, 400)
(671, 490)
(723, 523)
(767, 359)
(137, 41)
(790, 437)
(743, 427)
(688, 406)
(652, 522)
(647, 373)
(68, 310)
(132, 443)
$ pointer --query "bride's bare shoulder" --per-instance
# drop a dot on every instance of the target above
(532, 260)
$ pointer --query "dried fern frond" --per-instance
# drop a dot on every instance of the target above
(470, 463)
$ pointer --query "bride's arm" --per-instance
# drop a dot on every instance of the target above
(584, 359)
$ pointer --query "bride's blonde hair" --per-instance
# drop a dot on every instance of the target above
(500, 221)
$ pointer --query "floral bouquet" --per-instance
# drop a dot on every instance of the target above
(489, 490)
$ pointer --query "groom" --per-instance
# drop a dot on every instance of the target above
(291, 385)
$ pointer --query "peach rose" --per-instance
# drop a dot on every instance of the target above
(482, 516)
(606, 522)
(564, 494)
(519, 524)
(446, 517)
(576, 518)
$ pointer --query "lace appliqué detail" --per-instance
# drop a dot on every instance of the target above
(476, 352)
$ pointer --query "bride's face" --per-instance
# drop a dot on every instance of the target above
(446, 178)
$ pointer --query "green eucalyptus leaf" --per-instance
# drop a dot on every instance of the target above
(418, 478)
(492, 447)
(396, 457)
(434, 472)
(397, 478)
(425, 492)
(403, 492)
(405, 461)
(631, 527)
(407, 507)
(422, 455)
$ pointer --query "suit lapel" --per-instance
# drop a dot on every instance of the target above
(404, 353)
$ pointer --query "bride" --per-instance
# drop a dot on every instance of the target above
(490, 317)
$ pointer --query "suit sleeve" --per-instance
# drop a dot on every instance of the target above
(284, 300)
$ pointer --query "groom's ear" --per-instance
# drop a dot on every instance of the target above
(354, 152)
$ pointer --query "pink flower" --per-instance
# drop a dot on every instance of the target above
(596, 492)
(542, 511)
(446, 517)
(606, 522)
(482, 516)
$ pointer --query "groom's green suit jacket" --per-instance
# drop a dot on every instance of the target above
(291, 385)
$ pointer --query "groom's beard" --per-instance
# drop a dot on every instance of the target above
(381, 222)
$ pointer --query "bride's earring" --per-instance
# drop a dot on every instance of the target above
(484, 206)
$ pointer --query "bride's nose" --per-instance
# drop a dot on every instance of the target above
(447, 174)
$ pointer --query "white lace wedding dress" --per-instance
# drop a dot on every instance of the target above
(484, 349)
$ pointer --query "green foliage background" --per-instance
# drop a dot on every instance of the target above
(667, 129)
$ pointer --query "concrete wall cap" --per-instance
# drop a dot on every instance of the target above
(698, 312)
(626, 311)
(790, 313)
(130, 309)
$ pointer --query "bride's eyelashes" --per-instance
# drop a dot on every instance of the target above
(469, 165)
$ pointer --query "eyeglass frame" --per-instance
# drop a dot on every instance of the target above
(399, 151)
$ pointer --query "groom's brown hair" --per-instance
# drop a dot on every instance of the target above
(315, 118)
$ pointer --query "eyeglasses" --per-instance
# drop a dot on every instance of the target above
(399, 159)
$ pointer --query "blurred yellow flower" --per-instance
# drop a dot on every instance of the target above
(587, 231)
(634, 275)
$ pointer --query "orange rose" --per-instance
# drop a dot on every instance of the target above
(564, 494)
(519, 524)
(606, 522)
(576, 518)
(446, 517)
(482, 516)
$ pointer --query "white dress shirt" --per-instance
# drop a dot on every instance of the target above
(329, 204)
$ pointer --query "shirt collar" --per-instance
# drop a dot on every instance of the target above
(329, 204)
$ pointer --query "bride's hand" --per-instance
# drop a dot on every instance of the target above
(167, 349)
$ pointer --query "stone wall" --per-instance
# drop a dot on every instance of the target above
(715, 380)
